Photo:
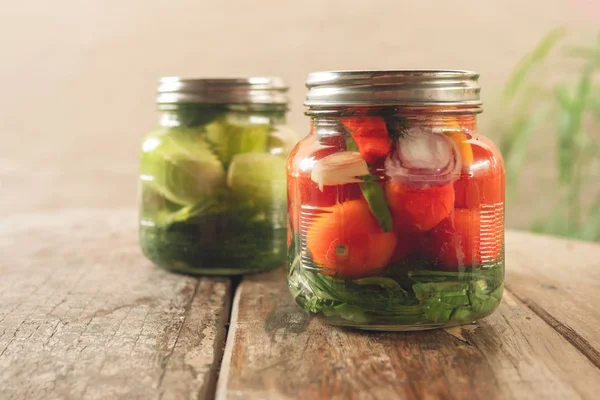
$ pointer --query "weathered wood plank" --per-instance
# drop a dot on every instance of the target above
(84, 315)
(560, 281)
(274, 351)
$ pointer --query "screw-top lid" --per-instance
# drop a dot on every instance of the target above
(394, 88)
(264, 90)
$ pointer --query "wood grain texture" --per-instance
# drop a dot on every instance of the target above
(274, 351)
(84, 315)
(560, 281)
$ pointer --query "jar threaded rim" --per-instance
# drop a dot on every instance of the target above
(239, 90)
(436, 88)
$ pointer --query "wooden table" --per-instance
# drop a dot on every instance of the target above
(84, 315)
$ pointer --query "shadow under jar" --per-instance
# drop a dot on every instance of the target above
(396, 202)
(212, 176)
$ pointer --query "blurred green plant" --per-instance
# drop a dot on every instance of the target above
(541, 97)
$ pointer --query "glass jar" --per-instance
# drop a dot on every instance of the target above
(396, 202)
(212, 176)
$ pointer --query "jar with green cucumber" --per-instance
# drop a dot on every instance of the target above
(212, 176)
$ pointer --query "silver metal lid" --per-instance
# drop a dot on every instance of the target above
(393, 88)
(264, 90)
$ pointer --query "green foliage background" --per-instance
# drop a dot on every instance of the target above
(554, 95)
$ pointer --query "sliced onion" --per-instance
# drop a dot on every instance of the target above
(422, 156)
(339, 169)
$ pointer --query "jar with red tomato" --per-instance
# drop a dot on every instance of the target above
(395, 202)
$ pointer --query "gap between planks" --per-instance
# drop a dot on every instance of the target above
(227, 354)
(231, 310)
(208, 391)
(569, 334)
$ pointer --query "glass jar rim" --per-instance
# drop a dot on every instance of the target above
(237, 90)
(439, 88)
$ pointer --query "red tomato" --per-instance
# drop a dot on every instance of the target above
(418, 209)
(348, 241)
(371, 136)
(465, 239)
(484, 182)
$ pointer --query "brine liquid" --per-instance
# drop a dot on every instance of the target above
(486, 243)
(417, 243)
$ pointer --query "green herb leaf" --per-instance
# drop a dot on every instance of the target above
(348, 312)
(388, 283)
(435, 296)
(374, 194)
(396, 127)
(351, 144)
(482, 300)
